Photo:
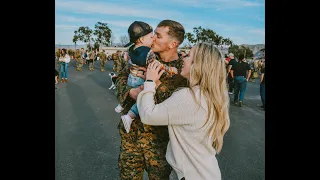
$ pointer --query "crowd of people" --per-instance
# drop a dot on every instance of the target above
(174, 105)
(239, 72)
(83, 57)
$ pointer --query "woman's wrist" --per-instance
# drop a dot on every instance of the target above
(158, 84)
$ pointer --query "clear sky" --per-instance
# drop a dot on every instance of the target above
(243, 21)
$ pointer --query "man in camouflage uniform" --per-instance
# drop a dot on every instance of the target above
(58, 54)
(103, 59)
(117, 62)
(81, 60)
(144, 147)
(92, 56)
(77, 56)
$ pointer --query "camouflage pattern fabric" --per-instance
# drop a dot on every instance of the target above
(58, 54)
(103, 59)
(79, 62)
(144, 147)
(118, 64)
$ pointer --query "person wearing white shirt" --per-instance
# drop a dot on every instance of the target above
(64, 61)
(197, 117)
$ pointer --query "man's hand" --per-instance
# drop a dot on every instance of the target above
(135, 91)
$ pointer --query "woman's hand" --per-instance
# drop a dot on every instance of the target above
(143, 75)
(153, 71)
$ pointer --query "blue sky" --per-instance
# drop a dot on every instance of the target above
(243, 21)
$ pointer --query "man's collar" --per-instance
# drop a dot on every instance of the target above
(158, 56)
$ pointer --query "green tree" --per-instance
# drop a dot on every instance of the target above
(75, 39)
(102, 33)
(227, 41)
(96, 45)
(238, 50)
(206, 35)
(190, 37)
(85, 35)
(247, 52)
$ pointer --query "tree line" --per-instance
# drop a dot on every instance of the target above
(102, 36)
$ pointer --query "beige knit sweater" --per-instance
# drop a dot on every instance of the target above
(189, 152)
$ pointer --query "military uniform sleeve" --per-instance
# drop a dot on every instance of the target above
(163, 92)
(122, 89)
(165, 89)
(124, 63)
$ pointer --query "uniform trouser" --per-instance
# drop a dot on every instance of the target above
(102, 62)
(91, 63)
(142, 150)
(80, 63)
(76, 63)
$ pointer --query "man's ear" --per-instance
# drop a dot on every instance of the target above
(173, 44)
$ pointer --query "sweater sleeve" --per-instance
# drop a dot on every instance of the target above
(166, 113)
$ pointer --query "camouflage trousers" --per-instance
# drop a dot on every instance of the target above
(102, 62)
(142, 150)
(79, 63)
(91, 63)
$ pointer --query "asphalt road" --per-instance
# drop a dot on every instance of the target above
(87, 139)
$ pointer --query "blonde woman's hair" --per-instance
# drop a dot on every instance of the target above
(209, 72)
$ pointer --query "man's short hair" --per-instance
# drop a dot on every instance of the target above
(176, 30)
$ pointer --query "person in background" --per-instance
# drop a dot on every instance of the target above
(77, 56)
(64, 61)
(241, 73)
(231, 63)
(92, 56)
(262, 87)
(56, 76)
(103, 60)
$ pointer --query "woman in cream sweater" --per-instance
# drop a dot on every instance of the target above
(197, 117)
